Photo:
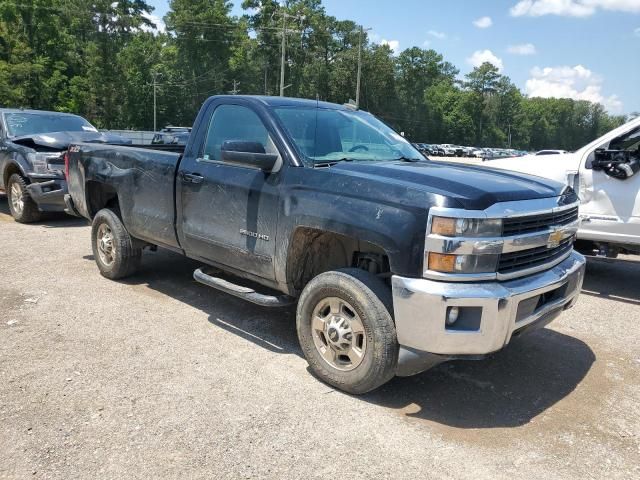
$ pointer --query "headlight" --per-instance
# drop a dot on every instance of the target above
(41, 161)
(446, 263)
(466, 227)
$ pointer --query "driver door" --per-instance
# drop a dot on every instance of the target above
(229, 212)
(610, 207)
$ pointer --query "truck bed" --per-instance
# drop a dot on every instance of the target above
(141, 179)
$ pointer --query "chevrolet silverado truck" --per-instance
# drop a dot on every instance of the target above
(32, 146)
(606, 176)
(396, 263)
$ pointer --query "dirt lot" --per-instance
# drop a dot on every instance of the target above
(159, 377)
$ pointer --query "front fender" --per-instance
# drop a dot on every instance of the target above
(398, 230)
(15, 159)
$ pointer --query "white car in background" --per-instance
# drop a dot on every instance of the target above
(606, 175)
(551, 152)
(449, 150)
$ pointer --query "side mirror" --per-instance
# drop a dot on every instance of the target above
(248, 154)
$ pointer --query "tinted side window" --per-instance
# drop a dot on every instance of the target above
(234, 122)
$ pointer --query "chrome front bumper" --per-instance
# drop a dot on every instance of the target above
(491, 313)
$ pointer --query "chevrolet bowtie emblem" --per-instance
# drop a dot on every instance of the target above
(555, 238)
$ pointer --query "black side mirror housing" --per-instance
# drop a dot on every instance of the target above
(248, 154)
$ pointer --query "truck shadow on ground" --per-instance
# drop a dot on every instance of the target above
(507, 389)
(616, 280)
(49, 220)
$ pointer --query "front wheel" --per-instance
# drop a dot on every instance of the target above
(346, 330)
(114, 250)
(22, 207)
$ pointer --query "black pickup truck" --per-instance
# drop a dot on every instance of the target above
(32, 146)
(396, 263)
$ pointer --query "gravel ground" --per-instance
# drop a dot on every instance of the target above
(160, 377)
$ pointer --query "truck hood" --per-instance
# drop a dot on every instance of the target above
(61, 140)
(475, 188)
(554, 167)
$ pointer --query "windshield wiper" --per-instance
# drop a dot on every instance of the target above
(407, 159)
(332, 162)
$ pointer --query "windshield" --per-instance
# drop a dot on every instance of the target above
(325, 136)
(22, 123)
(629, 141)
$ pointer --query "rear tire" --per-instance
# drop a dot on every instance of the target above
(114, 250)
(346, 330)
(22, 207)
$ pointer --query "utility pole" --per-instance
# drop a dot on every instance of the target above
(155, 101)
(266, 66)
(235, 90)
(283, 53)
(509, 134)
(283, 47)
(362, 30)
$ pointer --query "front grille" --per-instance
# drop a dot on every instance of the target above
(538, 223)
(534, 257)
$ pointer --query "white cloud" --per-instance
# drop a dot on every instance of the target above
(578, 83)
(572, 8)
(636, 32)
(479, 57)
(522, 49)
(436, 34)
(483, 22)
(156, 20)
(394, 45)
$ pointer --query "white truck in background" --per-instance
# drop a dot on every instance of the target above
(606, 176)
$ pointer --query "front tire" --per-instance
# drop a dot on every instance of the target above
(22, 207)
(114, 250)
(346, 330)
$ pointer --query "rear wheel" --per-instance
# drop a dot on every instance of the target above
(114, 250)
(346, 330)
(21, 205)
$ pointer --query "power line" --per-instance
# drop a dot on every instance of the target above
(205, 25)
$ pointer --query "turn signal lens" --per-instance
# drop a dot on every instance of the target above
(441, 262)
(466, 227)
(446, 263)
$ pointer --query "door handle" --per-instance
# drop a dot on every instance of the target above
(192, 178)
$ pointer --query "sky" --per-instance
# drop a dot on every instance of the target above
(581, 49)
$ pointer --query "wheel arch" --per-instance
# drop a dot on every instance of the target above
(11, 168)
(313, 251)
(99, 195)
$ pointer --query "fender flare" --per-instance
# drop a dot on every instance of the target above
(13, 162)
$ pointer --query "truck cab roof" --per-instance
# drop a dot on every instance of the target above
(286, 101)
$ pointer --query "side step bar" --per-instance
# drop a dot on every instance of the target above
(245, 293)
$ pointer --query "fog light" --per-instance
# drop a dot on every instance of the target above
(452, 315)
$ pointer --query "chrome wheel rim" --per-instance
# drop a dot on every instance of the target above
(17, 202)
(338, 334)
(106, 244)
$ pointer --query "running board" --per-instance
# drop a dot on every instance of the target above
(246, 293)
